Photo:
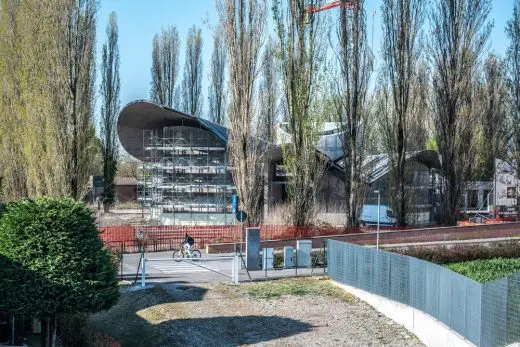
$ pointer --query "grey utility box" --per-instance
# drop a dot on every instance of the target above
(268, 258)
(303, 253)
(288, 257)
(252, 249)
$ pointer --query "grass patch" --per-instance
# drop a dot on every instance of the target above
(486, 270)
(297, 286)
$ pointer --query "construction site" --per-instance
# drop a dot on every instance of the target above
(185, 179)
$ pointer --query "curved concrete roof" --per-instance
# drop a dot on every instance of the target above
(143, 114)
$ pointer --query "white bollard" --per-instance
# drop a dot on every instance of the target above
(143, 272)
(235, 269)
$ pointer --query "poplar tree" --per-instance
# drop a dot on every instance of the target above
(217, 86)
(243, 22)
(513, 87)
(47, 69)
(402, 22)
(192, 80)
(109, 89)
(165, 66)
(458, 40)
(302, 50)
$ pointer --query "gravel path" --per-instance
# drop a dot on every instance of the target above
(223, 315)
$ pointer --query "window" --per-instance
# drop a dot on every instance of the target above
(390, 214)
(473, 199)
(511, 192)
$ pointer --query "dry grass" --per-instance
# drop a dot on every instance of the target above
(334, 217)
(299, 286)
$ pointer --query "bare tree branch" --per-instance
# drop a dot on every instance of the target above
(457, 43)
(217, 87)
(192, 80)
(243, 22)
(165, 61)
(109, 90)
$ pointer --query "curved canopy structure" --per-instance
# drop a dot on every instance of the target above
(142, 114)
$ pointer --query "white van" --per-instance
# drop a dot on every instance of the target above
(369, 215)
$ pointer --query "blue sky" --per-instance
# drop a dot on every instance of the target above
(139, 20)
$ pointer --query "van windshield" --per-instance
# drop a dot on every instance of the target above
(390, 213)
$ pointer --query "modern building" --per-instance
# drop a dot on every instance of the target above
(422, 166)
(185, 178)
(499, 195)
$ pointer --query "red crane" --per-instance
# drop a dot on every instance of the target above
(328, 6)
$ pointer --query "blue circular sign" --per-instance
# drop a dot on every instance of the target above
(241, 216)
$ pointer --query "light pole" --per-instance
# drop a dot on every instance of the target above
(378, 212)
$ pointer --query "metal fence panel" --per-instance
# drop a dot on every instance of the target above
(473, 321)
(433, 284)
(417, 283)
(513, 309)
(486, 314)
(494, 313)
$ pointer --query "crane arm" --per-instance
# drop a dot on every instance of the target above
(346, 3)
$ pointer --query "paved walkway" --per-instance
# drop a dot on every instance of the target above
(162, 268)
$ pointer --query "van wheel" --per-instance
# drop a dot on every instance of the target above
(362, 224)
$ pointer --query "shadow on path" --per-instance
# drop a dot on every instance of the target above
(160, 316)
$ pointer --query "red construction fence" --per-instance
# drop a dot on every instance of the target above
(168, 237)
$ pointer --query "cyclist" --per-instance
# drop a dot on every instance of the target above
(188, 243)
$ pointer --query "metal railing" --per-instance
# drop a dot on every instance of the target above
(196, 262)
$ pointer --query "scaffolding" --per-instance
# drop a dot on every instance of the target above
(185, 179)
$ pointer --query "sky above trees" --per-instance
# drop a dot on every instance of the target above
(139, 20)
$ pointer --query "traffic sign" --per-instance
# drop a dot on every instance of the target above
(234, 203)
(139, 233)
(241, 216)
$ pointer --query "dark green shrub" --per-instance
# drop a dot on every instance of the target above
(461, 252)
(53, 261)
(75, 330)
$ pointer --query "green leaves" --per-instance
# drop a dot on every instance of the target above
(487, 270)
(52, 260)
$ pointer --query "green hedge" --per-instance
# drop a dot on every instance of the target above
(462, 252)
(52, 260)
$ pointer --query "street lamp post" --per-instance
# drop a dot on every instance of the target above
(378, 212)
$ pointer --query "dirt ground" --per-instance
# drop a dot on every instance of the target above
(298, 312)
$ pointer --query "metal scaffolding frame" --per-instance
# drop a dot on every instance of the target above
(185, 176)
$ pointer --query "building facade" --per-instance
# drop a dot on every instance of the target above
(184, 175)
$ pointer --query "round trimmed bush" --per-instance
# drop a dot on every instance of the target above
(52, 260)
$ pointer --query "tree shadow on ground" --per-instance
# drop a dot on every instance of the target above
(232, 331)
(144, 318)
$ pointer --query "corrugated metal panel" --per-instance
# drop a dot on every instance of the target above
(486, 314)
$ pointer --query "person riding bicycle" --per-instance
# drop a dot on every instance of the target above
(188, 243)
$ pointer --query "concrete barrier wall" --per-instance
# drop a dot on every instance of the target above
(429, 330)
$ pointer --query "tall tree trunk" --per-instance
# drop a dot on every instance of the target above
(458, 40)
(350, 89)
(243, 23)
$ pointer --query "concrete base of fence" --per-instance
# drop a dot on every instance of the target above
(429, 330)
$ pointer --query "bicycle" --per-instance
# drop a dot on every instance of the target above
(181, 253)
